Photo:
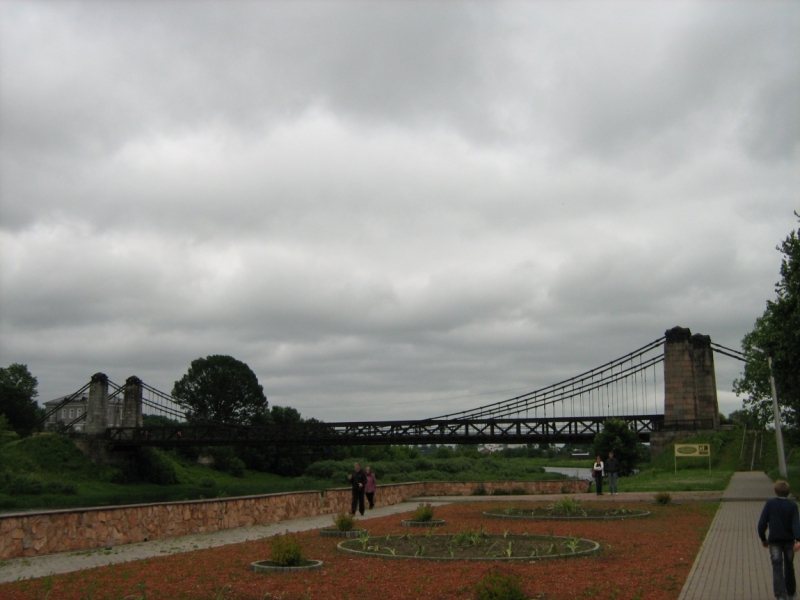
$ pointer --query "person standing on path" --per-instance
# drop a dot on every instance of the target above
(370, 487)
(781, 517)
(597, 472)
(612, 468)
(358, 480)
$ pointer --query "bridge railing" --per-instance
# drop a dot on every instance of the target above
(513, 431)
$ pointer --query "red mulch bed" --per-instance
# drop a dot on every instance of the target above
(641, 559)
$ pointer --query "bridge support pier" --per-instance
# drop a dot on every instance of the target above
(690, 388)
(97, 405)
(690, 384)
(132, 403)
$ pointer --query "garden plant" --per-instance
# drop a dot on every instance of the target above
(566, 509)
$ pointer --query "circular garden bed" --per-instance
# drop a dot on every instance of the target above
(335, 533)
(430, 523)
(470, 546)
(580, 513)
(268, 566)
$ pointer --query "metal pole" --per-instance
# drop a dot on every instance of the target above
(777, 416)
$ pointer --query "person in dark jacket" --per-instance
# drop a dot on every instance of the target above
(781, 517)
(612, 468)
(372, 485)
(358, 480)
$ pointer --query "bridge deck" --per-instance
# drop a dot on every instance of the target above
(461, 431)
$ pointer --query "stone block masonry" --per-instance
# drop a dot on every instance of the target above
(690, 386)
(33, 534)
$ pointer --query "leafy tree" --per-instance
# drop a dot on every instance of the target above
(281, 460)
(17, 393)
(777, 334)
(158, 421)
(220, 389)
(745, 418)
(620, 439)
(17, 376)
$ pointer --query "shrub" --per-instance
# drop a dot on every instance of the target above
(663, 498)
(326, 469)
(154, 466)
(287, 551)
(423, 513)
(225, 460)
(422, 464)
(496, 586)
(455, 465)
(207, 482)
(22, 484)
(344, 522)
(565, 506)
(56, 487)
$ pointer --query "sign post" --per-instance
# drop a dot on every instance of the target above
(692, 451)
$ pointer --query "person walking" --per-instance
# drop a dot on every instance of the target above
(370, 487)
(597, 472)
(781, 517)
(612, 468)
(358, 481)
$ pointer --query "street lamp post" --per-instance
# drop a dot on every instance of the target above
(777, 415)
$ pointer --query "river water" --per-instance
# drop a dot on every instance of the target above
(576, 472)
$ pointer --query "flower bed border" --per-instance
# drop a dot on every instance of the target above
(335, 533)
(482, 558)
(261, 567)
(643, 514)
(431, 523)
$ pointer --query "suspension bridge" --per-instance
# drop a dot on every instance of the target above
(661, 389)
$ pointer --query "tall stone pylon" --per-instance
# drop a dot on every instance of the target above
(132, 403)
(97, 406)
(690, 383)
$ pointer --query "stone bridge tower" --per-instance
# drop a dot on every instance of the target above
(690, 384)
(690, 387)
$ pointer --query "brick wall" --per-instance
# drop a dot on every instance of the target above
(32, 534)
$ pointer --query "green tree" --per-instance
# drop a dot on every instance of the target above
(776, 334)
(620, 439)
(220, 389)
(17, 376)
(17, 393)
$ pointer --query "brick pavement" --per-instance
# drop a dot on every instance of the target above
(732, 564)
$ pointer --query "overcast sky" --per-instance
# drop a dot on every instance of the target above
(389, 209)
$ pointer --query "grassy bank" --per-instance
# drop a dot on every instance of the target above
(48, 472)
(692, 474)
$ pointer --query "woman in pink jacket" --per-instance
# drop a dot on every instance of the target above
(371, 486)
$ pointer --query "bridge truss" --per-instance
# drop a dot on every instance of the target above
(477, 431)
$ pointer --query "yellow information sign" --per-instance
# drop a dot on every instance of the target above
(692, 451)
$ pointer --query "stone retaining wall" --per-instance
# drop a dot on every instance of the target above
(32, 534)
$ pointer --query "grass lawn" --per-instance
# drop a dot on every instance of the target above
(686, 480)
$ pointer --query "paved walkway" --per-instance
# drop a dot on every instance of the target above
(732, 564)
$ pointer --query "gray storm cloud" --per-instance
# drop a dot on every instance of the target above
(388, 209)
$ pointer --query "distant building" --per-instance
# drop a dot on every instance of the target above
(491, 448)
(77, 408)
